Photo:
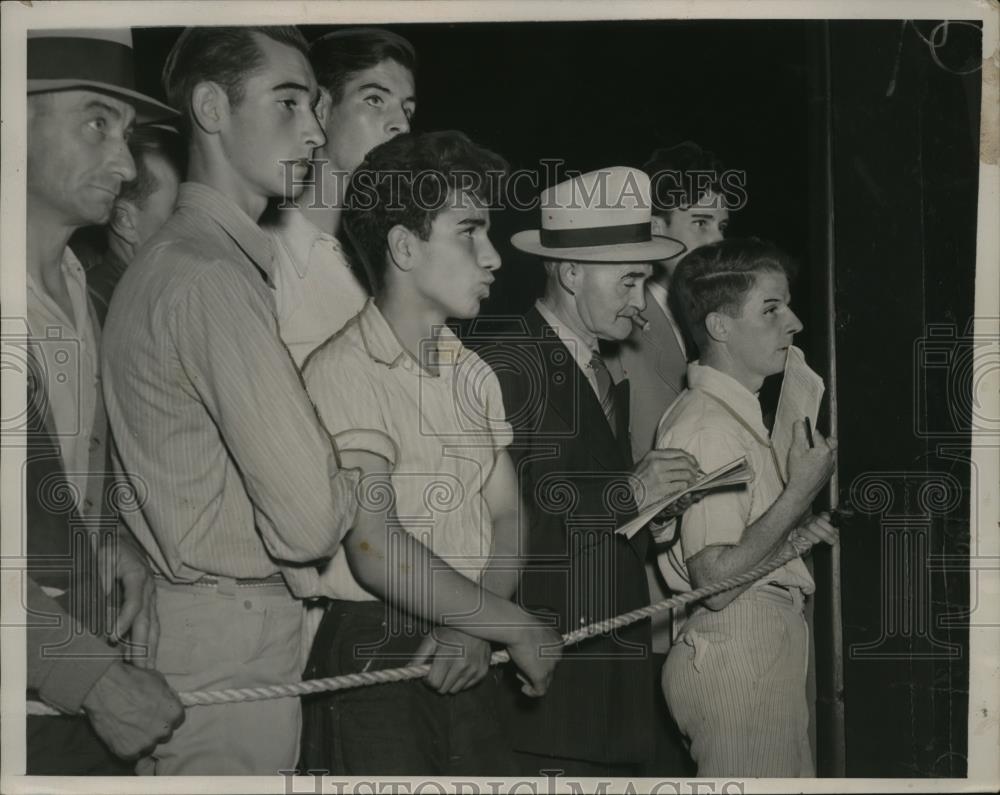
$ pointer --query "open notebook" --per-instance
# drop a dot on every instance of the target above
(730, 474)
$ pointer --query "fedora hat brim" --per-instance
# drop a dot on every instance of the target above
(147, 109)
(659, 247)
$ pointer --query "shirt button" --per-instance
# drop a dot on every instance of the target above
(247, 604)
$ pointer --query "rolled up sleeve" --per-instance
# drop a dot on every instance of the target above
(349, 405)
(720, 517)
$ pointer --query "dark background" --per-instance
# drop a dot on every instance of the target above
(861, 159)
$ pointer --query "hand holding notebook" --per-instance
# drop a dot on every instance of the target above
(733, 473)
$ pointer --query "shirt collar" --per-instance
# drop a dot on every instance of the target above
(382, 344)
(299, 235)
(234, 221)
(582, 352)
(727, 389)
(72, 270)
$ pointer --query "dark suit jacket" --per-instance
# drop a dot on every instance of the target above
(573, 474)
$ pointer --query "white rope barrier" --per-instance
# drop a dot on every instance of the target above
(796, 547)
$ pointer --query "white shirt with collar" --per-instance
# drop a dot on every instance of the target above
(441, 434)
(315, 291)
(67, 347)
(717, 420)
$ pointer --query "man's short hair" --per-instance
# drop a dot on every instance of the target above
(223, 55)
(718, 277)
(150, 140)
(681, 175)
(408, 180)
(338, 56)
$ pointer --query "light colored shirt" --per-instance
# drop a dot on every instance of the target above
(315, 291)
(67, 349)
(703, 421)
(662, 298)
(442, 434)
(233, 470)
(583, 354)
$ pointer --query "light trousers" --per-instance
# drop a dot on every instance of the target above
(229, 637)
(735, 682)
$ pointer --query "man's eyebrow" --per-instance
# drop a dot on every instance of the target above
(291, 86)
(773, 300)
(702, 215)
(96, 104)
(635, 275)
(477, 222)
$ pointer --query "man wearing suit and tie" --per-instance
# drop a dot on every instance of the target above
(689, 206)
(575, 472)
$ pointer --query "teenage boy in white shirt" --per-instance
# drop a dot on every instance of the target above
(735, 680)
(423, 416)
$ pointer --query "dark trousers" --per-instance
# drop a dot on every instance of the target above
(68, 746)
(397, 729)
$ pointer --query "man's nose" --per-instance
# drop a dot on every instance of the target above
(122, 163)
(313, 135)
(639, 297)
(490, 257)
(794, 324)
(399, 122)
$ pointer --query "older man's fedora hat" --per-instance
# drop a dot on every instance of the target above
(95, 60)
(601, 216)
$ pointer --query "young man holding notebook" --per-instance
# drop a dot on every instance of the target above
(735, 680)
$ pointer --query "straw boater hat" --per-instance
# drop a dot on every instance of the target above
(603, 216)
(94, 60)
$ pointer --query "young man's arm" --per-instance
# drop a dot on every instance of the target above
(462, 660)
(389, 562)
(808, 469)
(503, 499)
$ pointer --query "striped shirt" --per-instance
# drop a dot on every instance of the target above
(233, 471)
(703, 421)
(315, 291)
(442, 434)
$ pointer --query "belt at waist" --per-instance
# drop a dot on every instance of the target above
(223, 583)
(790, 594)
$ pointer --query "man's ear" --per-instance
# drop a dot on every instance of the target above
(569, 274)
(323, 107)
(717, 326)
(123, 221)
(401, 246)
(209, 106)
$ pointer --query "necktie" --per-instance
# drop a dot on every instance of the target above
(605, 390)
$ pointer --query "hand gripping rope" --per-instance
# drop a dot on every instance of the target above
(795, 547)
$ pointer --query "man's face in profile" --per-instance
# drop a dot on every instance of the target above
(78, 154)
